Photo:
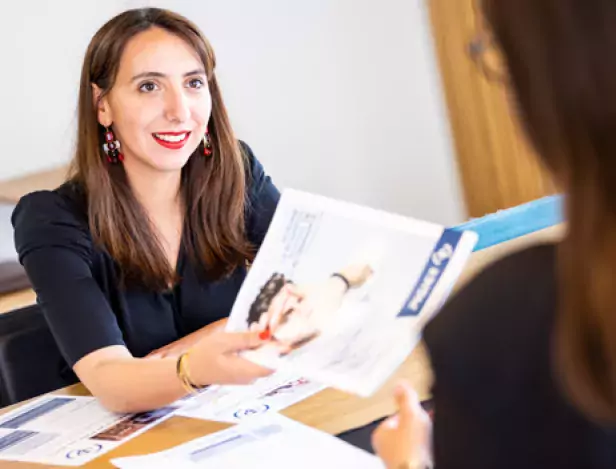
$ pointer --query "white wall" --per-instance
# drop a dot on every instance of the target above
(41, 48)
(339, 97)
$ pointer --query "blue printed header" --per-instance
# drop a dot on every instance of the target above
(436, 265)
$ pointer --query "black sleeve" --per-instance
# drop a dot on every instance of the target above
(55, 248)
(485, 339)
(263, 197)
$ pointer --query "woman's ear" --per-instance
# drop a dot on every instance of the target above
(101, 104)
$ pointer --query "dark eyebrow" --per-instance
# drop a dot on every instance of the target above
(198, 71)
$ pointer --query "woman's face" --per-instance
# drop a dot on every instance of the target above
(160, 103)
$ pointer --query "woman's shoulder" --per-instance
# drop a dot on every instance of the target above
(254, 168)
(497, 330)
(535, 265)
(512, 300)
(51, 217)
(62, 204)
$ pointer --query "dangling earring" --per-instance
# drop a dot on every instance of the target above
(111, 147)
(207, 144)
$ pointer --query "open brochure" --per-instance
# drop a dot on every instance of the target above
(271, 441)
(343, 291)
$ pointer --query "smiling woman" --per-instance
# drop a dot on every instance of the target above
(157, 104)
(138, 257)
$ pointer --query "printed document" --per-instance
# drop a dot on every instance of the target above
(342, 291)
(69, 430)
(235, 403)
(270, 441)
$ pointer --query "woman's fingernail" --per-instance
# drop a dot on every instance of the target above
(265, 335)
(393, 421)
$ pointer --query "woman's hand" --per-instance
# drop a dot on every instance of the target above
(177, 348)
(216, 359)
(289, 298)
(404, 440)
(297, 313)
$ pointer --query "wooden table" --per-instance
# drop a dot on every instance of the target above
(13, 189)
(15, 300)
(331, 411)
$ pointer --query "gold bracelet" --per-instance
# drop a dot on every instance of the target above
(198, 387)
(184, 375)
(181, 376)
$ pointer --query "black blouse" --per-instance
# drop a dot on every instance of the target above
(77, 282)
(498, 401)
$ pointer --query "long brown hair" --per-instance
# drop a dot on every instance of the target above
(563, 71)
(213, 188)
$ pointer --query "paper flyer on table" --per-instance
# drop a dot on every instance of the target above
(69, 430)
(344, 290)
(271, 441)
(235, 403)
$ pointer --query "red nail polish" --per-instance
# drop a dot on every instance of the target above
(265, 335)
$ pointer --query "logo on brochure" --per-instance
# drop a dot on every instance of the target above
(242, 413)
(81, 452)
(437, 263)
(442, 255)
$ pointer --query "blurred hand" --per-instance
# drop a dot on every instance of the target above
(404, 440)
(216, 359)
(289, 298)
(298, 313)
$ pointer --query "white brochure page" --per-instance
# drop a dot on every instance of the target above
(69, 430)
(270, 441)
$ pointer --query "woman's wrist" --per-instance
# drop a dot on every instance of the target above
(184, 375)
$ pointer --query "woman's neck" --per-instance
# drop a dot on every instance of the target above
(157, 191)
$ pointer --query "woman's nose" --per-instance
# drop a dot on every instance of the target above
(177, 107)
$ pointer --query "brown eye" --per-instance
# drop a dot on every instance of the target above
(196, 83)
(147, 87)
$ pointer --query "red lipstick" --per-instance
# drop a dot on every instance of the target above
(170, 139)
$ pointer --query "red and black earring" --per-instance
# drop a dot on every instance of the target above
(207, 144)
(111, 147)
